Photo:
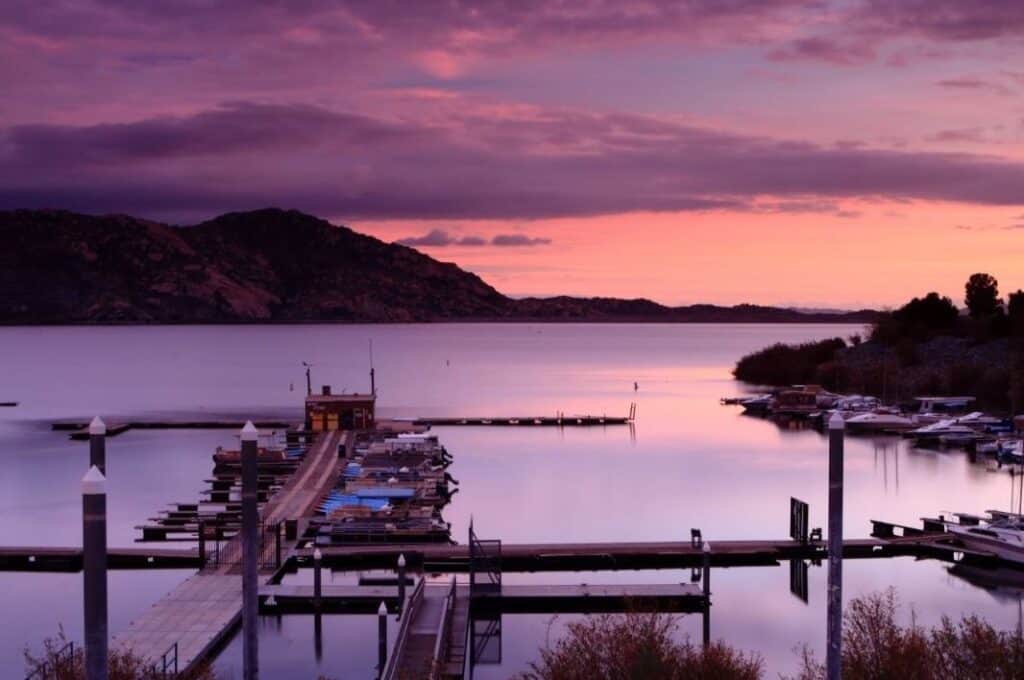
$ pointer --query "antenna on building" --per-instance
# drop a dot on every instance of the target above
(309, 380)
(373, 383)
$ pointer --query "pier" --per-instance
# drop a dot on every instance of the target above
(201, 612)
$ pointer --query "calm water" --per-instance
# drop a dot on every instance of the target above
(689, 463)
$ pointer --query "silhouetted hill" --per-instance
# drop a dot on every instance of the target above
(273, 265)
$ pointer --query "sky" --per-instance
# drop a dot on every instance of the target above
(819, 153)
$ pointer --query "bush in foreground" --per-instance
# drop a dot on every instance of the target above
(877, 647)
(637, 647)
(122, 665)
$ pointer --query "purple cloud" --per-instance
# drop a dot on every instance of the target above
(971, 83)
(818, 48)
(518, 240)
(439, 238)
(970, 135)
(534, 163)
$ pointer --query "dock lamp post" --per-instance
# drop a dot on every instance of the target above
(94, 570)
(250, 554)
(98, 444)
(382, 638)
(317, 580)
(834, 655)
(401, 585)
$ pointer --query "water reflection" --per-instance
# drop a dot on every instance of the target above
(689, 462)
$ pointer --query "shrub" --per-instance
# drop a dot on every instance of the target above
(783, 364)
(876, 647)
(637, 646)
(122, 665)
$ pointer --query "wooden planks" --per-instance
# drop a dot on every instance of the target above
(196, 615)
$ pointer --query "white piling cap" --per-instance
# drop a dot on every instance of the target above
(382, 610)
(836, 422)
(317, 555)
(401, 560)
(271, 601)
(249, 432)
(97, 426)
(707, 547)
(94, 483)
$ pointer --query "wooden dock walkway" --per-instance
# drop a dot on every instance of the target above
(601, 556)
(43, 558)
(525, 421)
(197, 615)
(430, 642)
(512, 598)
(80, 430)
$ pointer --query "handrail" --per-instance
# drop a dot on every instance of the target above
(168, 661)
(443, 629)
(409, 609)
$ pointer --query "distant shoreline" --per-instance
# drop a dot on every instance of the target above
(449, 322)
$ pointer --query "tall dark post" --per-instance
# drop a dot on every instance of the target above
(373, 383)
(98, 445)
(835, 547)
(382, 638)
(318, 636)
(250, 554)
(309, 380)
(317, 582)
(706, 582)
(401, 585)
(94, 569)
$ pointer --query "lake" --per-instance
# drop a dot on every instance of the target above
(689, 462)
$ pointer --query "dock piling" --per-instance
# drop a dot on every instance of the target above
(98, 445)
(706, 584)
(317, 580)
(250, 553)
(94, 568)
(382, 638)
(836, 428)
(401, 585)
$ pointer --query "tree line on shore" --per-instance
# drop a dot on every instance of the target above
(927, 346)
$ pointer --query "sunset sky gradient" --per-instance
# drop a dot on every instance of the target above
(802, 152)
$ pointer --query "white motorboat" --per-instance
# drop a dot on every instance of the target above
(947, 431)
(879, 420)
(1001, 535)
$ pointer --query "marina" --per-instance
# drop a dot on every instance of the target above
(550, 568)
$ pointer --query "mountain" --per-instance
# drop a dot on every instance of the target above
(273, 265)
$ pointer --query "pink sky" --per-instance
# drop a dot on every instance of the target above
(845, 153)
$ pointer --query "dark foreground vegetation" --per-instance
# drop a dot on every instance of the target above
(55, 662)
(876, 646)
(927, 346)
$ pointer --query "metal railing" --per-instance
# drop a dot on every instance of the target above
(61, 666)
(409, 609)
(444, 627)
(485, 561)
(270, 546)
(167, 668)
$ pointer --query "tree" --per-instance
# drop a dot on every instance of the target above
(1015, 311)
(982, 295)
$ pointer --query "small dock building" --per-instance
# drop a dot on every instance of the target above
(327, 412)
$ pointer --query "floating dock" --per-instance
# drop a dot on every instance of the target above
(80, 431)
(651, 555)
